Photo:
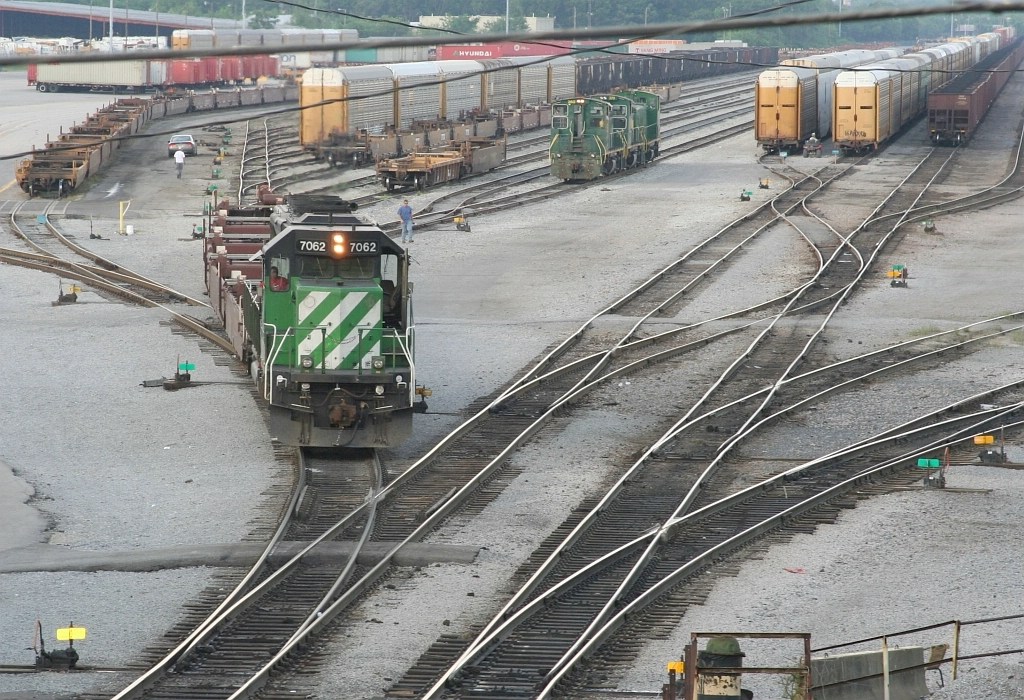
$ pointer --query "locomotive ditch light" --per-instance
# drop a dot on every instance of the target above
(379, 390)
(377, 364)
(306, 361)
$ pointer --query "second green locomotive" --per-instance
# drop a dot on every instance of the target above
(601, 135)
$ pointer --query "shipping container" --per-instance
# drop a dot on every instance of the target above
(506, 49)
(656, 46)
(367, 55)
(137, 74)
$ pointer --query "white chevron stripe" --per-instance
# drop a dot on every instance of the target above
(352, 339)
(308, 305)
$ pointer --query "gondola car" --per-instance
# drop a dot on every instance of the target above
(322, 311)
(86, 148)
(601, 135)
(956, 109)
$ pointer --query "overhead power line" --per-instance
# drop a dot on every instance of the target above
(650, 31)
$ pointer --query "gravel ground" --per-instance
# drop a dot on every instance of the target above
(487, 303)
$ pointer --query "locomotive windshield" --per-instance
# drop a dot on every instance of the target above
(329, 268)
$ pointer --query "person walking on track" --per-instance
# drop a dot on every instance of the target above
(179, 161)
(405, 214)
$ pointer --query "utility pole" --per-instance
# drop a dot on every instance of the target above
(111, 26)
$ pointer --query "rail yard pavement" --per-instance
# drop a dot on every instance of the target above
(94, 464)
(533, 274)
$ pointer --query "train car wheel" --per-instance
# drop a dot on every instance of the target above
(40, 87)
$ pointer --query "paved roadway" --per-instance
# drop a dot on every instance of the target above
(29, 118)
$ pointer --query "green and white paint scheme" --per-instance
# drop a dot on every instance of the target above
(337, 336)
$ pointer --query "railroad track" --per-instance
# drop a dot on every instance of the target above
(705, 105)
(426, 501)
(30, 222)
(501, 663)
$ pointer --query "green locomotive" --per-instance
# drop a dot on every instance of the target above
(601, 135)
(329, 329)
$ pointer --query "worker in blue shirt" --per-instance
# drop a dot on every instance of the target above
(405, 214)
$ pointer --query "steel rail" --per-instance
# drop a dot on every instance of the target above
(756, 531)
(584, 524)
(745, 429)
(125, 274)
(485, 638)
(509, 617)
(231, 603)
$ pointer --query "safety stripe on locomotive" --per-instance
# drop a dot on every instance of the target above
(339, 348)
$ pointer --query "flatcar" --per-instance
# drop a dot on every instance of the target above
(957, 108)
(872, 103)
(339, 103)
(86, 148)
(455, 161)
(601, 135)
(318, 301)
(343, 105)
(794, 101)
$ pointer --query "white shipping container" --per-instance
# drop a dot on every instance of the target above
(402, 54)
(657, 46)
(138, 73)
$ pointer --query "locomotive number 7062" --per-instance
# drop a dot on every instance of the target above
(313, 246)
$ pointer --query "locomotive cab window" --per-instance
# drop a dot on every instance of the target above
(560, 122)
(355, 268)
(279, 274)
(561, 110)
(391, 284)
(618, 122)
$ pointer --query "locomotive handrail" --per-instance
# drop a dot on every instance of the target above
(268, 385)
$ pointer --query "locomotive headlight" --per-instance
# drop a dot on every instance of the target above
(399, 379)
(379, 390)
(306, 361)
(338, 248)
